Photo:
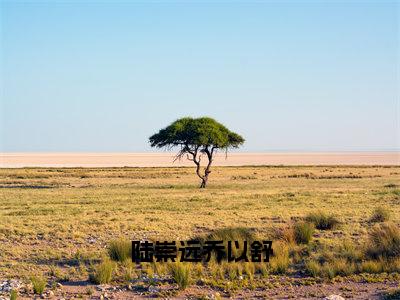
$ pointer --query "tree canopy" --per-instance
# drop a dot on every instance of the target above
(201, 132)
(197, 136)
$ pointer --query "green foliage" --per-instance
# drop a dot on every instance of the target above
(303, 232)
(384, 241)
(322, 221)
(13, 295)
(103, 273)
(181, 274)
(38, 284)
(380, 214)
(120, 250)
(201, 132)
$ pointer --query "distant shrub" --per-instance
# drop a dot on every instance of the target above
(120, 250)
(380, 214)
(349, 251)
(390, 185)
(181, 274)
(103, 272)
(303, 232)
(231, 234)
(322, 221)
(384, 241)
(38, 284)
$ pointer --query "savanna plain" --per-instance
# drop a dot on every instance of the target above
(65, 232)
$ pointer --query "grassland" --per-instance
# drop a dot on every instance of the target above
(57, 223)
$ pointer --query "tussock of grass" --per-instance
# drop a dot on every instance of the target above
(38, 284)
(181, 274)
(279, 262)
(249, 269)
(380, 214)
(384, 241)
(340, 267)
(120, 250)
(128, 270)
(288, 235)
(303, 232)
(103, 272)
(330, 269)
(313, 268)
(371, 266)
(349, 251)
(322, 221)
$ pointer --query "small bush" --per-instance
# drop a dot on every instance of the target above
(103, 273)
(390, 185)
(128, 270)
(262, 268)
(13, 295)
(393, 265)
(181, 274)
(303, 232)
(342, 267)
(288, 235)
(120, 250)
(337, 267)
(349, 251)
(322, 221)
(380, 214)
(279, 262)
(370, 266)
(198, 270)
(313, 268)
(249, 269)
(38, 284)
(384, 241)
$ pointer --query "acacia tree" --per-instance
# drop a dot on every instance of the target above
(197, 138)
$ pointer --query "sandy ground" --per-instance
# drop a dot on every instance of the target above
(17, 160)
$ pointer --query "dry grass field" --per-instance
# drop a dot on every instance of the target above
(57, 225)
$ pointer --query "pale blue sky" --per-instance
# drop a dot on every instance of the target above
(104, 76)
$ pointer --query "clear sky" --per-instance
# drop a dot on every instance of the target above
(293, 76)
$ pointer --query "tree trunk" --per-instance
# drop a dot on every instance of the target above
(204, 182)
(207, 171)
